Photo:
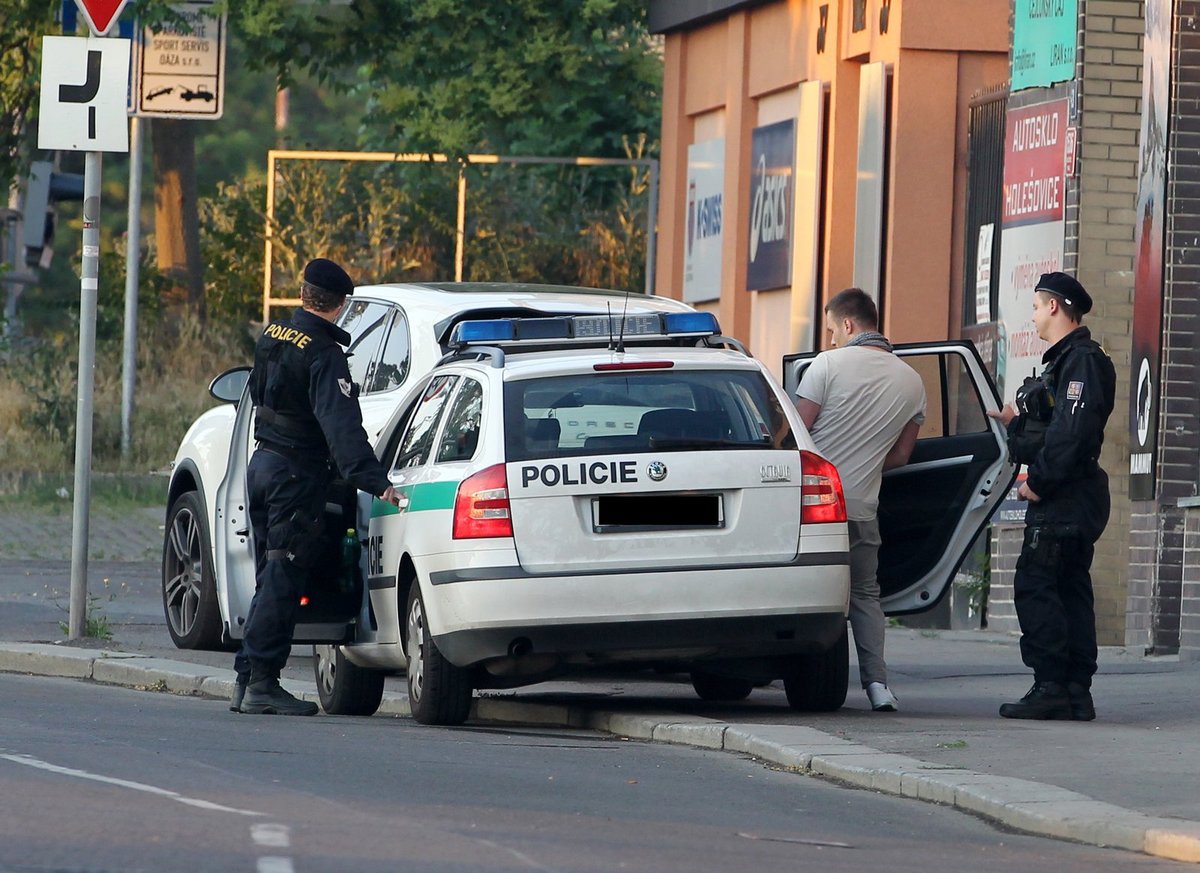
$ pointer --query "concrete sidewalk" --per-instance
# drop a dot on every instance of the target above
(1127, 780)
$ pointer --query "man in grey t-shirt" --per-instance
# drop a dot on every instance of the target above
(863, 407)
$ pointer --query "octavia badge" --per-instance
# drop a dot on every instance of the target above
(656, 470)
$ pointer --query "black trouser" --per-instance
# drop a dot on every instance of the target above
(1052, 588)
(278, 487)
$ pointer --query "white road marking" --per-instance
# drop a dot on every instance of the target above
(30, 761)
(277, 836)
(270, 864)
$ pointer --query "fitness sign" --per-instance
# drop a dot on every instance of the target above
(772, 153)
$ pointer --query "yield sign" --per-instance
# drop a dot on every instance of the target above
(101, 14)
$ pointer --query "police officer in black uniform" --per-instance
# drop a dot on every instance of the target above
(1057, 428)
(308, 424)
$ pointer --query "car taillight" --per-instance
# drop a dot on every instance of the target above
(481, 506)
(821, 498)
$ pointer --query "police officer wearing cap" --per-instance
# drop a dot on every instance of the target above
(307, 424)
(1056, 428)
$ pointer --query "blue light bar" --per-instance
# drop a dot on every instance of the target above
(499, 330)
(583, 327)
(698, 323)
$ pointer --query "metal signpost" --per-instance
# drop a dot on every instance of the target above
(176, 74)
(82, 108)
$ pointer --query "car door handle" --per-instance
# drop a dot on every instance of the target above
(402, 501)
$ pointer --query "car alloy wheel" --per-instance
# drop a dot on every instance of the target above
(189, 594)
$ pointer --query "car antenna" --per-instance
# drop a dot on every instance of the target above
(621, 334)
(611, 344)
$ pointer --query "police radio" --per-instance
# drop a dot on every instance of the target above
(1027, 434)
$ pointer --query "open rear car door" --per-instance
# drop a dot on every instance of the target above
(932, 509)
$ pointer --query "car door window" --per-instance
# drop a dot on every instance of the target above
(417, 441)
(953, 404)
(365, 321)
(392, 366)
(460, 437)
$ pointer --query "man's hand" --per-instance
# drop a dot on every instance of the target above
(391, 496)
(1027, 493)
(1005, 415)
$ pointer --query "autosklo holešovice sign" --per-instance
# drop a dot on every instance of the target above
(1032, 213)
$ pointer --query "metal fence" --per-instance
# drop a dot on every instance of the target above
(456, 174)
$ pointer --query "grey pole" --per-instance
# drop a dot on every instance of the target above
(89, 286)
(132, 266)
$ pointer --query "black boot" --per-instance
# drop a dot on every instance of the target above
(239, 691)
(266, 697)
(1082, 708)
(1045, 700)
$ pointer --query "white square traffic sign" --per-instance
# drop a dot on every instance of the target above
(84, 94)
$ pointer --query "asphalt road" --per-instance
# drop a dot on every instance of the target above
(96, 778)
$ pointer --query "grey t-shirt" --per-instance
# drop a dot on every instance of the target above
(867, 396)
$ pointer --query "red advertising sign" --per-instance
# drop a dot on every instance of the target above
(101, 15)
(1034, 187)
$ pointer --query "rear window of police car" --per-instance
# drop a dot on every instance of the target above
(641, 411)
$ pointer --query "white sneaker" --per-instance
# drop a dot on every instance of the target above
(882, 699)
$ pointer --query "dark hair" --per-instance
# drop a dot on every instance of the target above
(1071, 310)
(319, 299)
(856, 305)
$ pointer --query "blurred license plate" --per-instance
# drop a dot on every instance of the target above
(631, 512)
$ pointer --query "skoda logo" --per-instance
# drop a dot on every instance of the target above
(656, 470)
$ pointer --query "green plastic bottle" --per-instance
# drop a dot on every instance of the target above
(351, 552)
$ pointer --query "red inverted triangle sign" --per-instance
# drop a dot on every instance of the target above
(101, 14)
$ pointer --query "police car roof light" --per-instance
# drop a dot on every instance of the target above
(696, 323)
(583, 327)
(493, 331)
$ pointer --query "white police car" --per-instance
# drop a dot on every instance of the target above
(594, 491)
(398, 333)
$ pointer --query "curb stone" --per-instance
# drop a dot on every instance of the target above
(1031, 807)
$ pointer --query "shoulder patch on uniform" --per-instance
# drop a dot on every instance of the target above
(1074, 390)
(346, 386)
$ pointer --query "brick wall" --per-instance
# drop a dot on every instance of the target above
(1164, 592)
(1111, 89)
(1189, 625)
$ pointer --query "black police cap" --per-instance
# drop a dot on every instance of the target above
(325, 274)
(1068, 288)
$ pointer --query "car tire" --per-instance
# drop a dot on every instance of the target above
(189, 591)
(714, 686)
(817, 683)
(439, 693)
(343, 687)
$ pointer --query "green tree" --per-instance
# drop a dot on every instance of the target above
(24, 24)
(518, 76)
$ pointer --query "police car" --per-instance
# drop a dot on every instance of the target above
(397, 334)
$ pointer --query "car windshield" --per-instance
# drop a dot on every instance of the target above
(659, 410)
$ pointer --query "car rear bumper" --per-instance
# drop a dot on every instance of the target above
(734, 612)
(754, 636)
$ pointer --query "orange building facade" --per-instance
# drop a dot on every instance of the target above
(811, 145)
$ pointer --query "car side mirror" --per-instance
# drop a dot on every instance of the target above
(230, 385)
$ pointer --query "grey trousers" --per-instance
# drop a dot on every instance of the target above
(866, 616)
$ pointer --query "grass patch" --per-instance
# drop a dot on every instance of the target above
(95, 622)
(38, 389)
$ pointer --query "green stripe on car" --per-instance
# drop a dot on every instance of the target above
(421, 497)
